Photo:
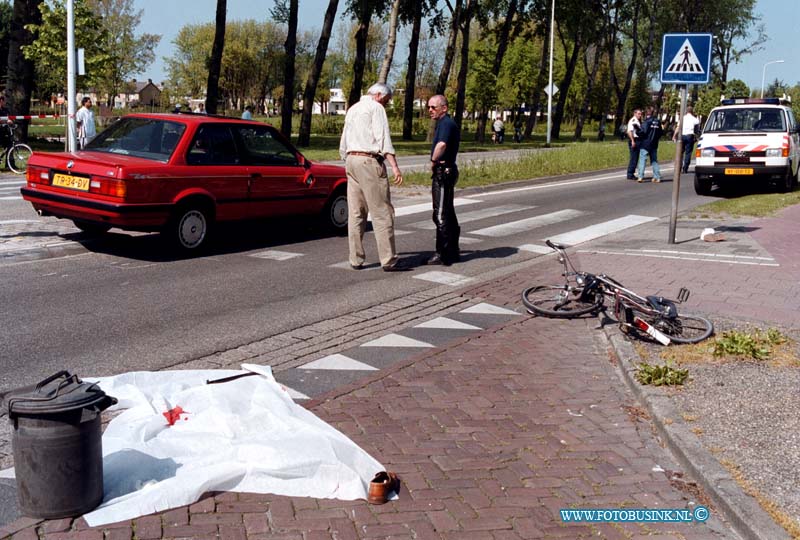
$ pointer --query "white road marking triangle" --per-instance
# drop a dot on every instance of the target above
(396, 340)
(488, 309)
(467, 240)
(447, 324)
(294, 394)
(523, 225)
(338, 362)
(445, 278)
(275, 255)
(585, 234)
(534, 248)
(685, 60)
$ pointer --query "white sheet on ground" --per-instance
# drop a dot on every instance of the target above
(244, 435)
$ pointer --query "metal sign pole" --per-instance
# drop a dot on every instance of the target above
(71, 91)
(676, 175)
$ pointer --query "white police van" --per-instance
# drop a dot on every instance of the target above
(748, 138)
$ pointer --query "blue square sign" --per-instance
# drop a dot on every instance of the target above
(686, 59)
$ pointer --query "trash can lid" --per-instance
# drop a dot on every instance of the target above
(61, 392)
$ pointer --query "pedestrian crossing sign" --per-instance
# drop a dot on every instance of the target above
(686, 59)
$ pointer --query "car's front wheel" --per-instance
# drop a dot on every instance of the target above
(334, 215)
(786, 184)
(189, 227)
(702, 186)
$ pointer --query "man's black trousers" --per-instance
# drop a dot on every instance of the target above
(443, 184)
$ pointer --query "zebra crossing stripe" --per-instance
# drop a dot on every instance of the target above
(534, 248)
(428, 207)
(600, 229)
(445, 278)
(476, 215)
(275, 255)
(523, 225)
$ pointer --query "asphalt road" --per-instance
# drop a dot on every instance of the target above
(122, 303)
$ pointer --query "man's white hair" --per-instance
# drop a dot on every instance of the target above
(380, 89)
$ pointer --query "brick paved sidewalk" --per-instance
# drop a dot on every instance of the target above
(491, 437)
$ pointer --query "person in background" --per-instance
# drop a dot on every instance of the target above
(366, 145)
(634, 128)
(200, 109)
(691, 124)
(444, 150)
(84, 120)
(248, 113)
(651, 134)
(499, 130)
(518, 128)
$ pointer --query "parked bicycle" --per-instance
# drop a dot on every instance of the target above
(583, 293)
(14, 155)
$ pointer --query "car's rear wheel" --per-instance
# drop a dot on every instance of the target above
(189, 227)
(702, 186)
(90, 227)
(334, 216)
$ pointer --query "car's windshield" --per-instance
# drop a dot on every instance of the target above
(148, 138)
(756, 119)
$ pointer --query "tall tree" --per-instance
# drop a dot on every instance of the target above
(411, 70)
(130, 54)
(362, 10)
(461, 91)
(21, 70)
(215, 61)
(48, 53)
(390, 42)
(6, 14)
(286, 11)
(315, 72)
(621, 22)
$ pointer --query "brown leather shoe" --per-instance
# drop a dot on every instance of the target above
(382, 486)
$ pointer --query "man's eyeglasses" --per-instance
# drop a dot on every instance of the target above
(432, 107)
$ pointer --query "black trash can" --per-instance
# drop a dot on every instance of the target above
(58, 457)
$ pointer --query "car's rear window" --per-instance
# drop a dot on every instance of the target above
(755, 119)
(148, 138)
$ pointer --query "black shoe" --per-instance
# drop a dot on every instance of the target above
(357, 266)
(436, 259)
(630, 178)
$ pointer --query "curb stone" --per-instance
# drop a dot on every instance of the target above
(741, 510)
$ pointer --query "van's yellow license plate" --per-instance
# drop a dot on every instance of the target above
(73, 182)
(739, 171)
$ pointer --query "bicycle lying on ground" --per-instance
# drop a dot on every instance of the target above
(583, 293)
(14, 155)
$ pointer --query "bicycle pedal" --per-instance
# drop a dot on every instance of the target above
(683, 295)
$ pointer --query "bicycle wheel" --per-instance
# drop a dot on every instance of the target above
(18, 157)
(558, 301)
(685, 328)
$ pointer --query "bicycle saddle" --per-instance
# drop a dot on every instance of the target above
(554, 245)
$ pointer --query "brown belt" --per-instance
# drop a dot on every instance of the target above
(365, 154)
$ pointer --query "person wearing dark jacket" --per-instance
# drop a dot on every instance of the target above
(652, 131)
(444, 176)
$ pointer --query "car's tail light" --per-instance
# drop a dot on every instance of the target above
(37, 175)
(108, 186)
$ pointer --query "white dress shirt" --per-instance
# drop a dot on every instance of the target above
(366, 129)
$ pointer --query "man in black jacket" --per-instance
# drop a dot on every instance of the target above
(444, 176)
(650, 135)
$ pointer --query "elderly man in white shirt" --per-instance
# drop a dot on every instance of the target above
(366, 145)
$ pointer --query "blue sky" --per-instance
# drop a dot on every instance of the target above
(166, 17)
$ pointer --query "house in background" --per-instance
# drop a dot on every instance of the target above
(140, 93)
(336, 105)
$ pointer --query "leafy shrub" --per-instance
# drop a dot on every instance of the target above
(756, 344)
(660, 375)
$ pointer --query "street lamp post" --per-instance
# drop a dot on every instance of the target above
(550, 78)
(764, 73)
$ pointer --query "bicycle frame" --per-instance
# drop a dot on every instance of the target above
(626, 302)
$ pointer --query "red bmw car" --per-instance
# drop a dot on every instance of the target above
(182, 173)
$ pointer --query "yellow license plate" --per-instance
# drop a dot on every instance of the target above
(73, 182)
(738, 171)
